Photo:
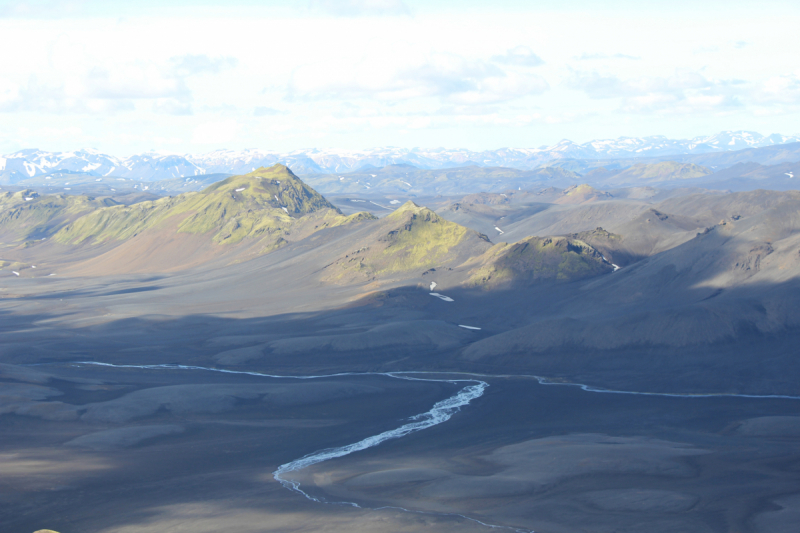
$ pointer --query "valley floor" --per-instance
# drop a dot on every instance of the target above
(99, 449)
(177, 450)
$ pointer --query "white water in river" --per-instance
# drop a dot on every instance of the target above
(441, 412)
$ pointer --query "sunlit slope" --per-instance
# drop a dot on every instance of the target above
(537, 259)
(414, 241)
(410, 240)
(262, 202)
(25, 215)
(260, 211)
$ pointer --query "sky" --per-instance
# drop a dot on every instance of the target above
(195, 76)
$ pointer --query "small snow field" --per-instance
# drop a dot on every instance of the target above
(442, 297)
(239, 189)
(468, 327)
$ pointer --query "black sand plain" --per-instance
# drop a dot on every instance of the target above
(88, 448)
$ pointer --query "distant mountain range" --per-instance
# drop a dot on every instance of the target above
(31, 163)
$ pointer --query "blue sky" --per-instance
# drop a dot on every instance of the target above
(187, 76)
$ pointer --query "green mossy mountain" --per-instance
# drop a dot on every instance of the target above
(537, 259)
(411, 239)
(265, 201)
(25, 215)
(421, 238)
(269, 208)
(414, 239)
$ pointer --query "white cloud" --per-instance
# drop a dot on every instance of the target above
(111, 87)
(134, 81)
(685, 91)
(784, 89)
(521, 56)
(171, 106)
(216, 132)
(360, 8)
(263, 111)
(50, 132)
(446, 77)
(36, 95)
(588, 57)
(40, 8)
(193, 64)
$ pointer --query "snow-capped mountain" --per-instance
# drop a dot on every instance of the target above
(153, 166)
(27, 164)
(332, 161)
(30, 163)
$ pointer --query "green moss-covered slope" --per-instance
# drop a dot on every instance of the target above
(26, 215)
(538, 259)
(410, 240)
(421, 238)
(267, 200)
